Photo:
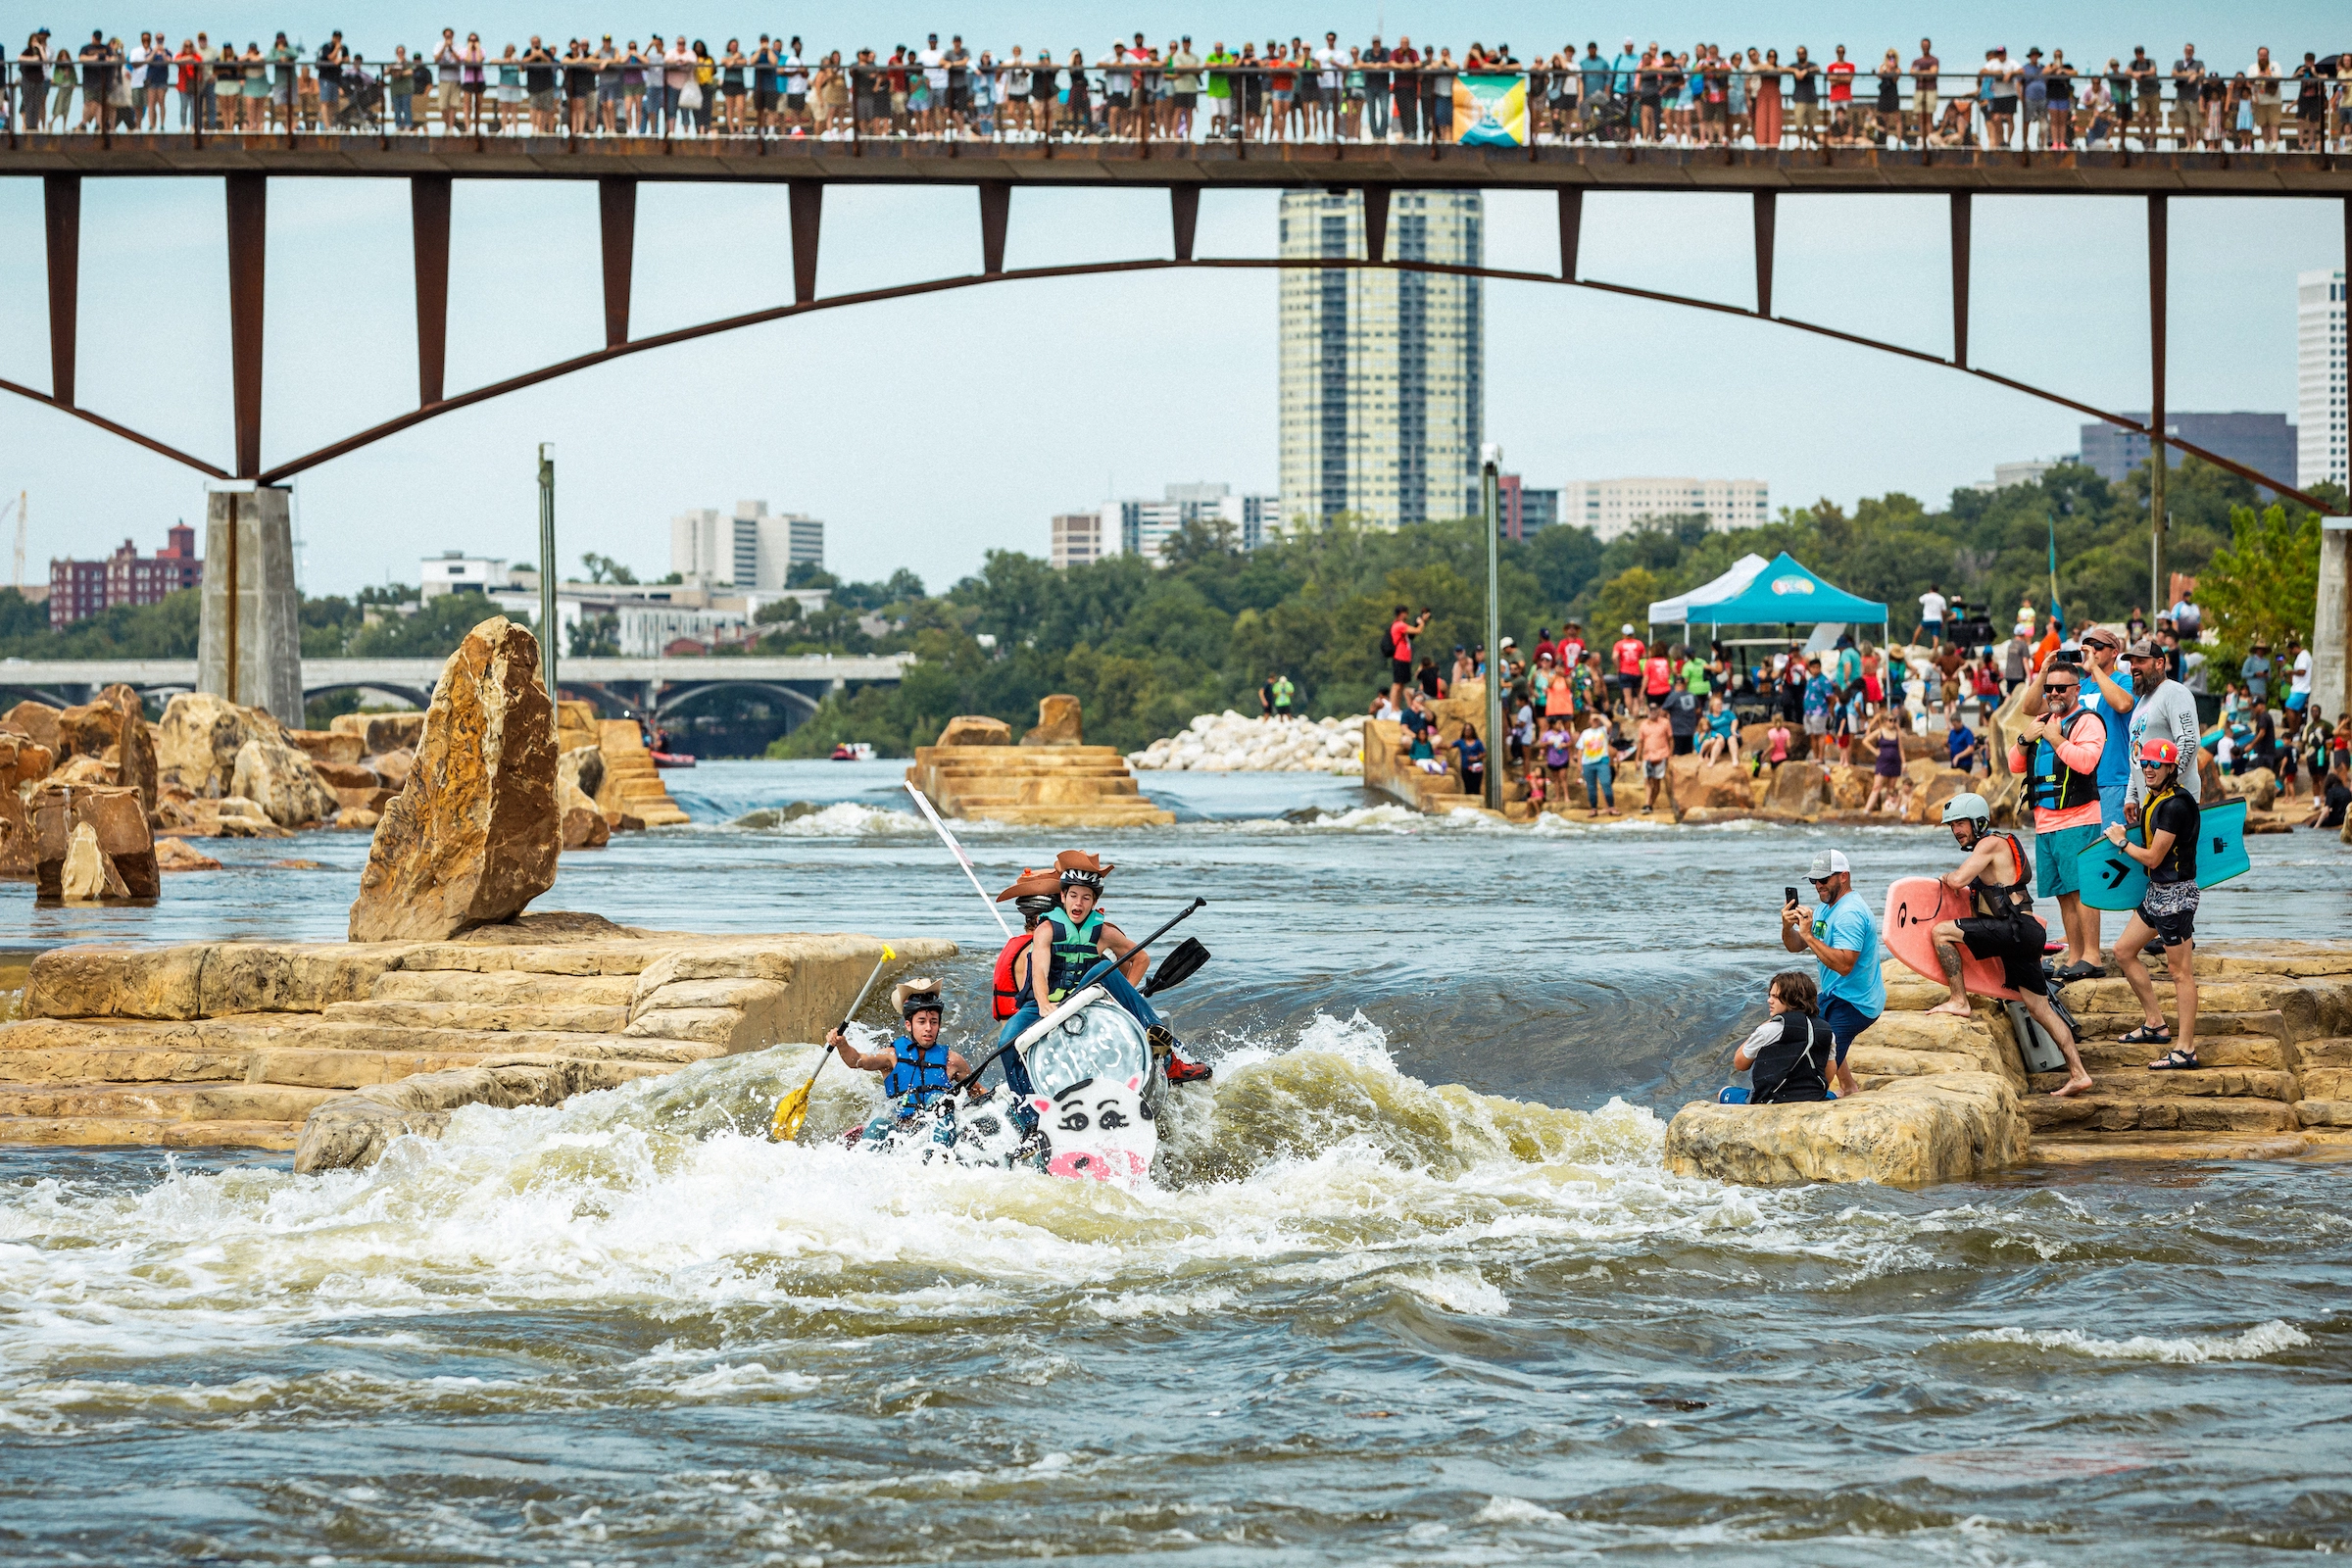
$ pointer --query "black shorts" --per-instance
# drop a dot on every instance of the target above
(763, 100)
(1400, 671)
(1681, 746)
(2017, 940)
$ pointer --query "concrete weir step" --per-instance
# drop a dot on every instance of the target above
(507, 987)
(2200, 1083)
(151, 1132)
(198, 1102)
(2098, 1113)
(2076, 1150)
(2224, 1051)
(492, 1017)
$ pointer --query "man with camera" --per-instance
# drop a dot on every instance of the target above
(1842, 936)
(2059, 752)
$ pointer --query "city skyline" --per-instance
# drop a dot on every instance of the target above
(1034, 397)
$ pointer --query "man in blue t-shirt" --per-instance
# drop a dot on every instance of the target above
(1843, 937)
(2109, 695)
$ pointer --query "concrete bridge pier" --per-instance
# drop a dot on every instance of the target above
(2332, 633)
(249, 646)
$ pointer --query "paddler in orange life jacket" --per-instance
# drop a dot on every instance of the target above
(1069, 939)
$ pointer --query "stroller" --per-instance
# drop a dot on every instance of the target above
(1610, 119)
(361, 106)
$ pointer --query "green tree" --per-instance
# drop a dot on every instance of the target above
(603, 568)
(2266, 586)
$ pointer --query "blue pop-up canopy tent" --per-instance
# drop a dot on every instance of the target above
(1784, 593)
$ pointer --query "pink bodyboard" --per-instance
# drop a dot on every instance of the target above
(1914, 906)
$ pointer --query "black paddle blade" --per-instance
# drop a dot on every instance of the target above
(1178, 966)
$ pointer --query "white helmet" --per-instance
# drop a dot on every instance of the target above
(1968, 806)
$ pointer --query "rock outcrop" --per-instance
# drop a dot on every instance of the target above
(1058, 724)
(1797, 789)
(1050, 784)
(1697, 786)
(197, 740)
(1230, 743)
(35, 719)
(579, 772)
(975, 729)
(93, 842)
(329, 746)
(381, 732)
(474, 837)
(1914, 1132)
(633, 793)
(281, 780)
(23, 764)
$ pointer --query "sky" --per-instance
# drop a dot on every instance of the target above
(926, 432)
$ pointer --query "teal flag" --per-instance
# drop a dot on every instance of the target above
(2056, 614)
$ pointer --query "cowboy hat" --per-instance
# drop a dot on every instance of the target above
(1032, 884)
(910, 996)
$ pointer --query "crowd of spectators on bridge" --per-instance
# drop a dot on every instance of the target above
(1302, 90)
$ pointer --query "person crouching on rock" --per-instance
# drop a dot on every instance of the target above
(1072, 938)
(1998, 877)
(1788, 1058)
(2168, 911)
(918, 1069)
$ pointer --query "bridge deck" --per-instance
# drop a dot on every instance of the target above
(1207, 164)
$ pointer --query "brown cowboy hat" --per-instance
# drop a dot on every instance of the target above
(1078, 861)
(1033, 885)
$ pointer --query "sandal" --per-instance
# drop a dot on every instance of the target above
(2175, 1061)
(2147, 1035)
(2078, 971)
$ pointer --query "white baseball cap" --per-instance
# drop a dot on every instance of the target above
(1827, 863)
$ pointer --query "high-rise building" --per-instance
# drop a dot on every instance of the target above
(749, 550)
(1521, 511)
(1382, 402)
(1611, 506)
(1077, 539)
(2263, 442)
(1141, 527)
(2320, 405)
(80, 589)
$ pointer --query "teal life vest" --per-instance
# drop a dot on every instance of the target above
(919, 1075)
(1076, 948)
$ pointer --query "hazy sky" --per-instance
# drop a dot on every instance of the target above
(928, 431)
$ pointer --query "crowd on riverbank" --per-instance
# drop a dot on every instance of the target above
(1299, 90)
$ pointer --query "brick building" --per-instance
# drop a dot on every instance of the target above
(81, 589)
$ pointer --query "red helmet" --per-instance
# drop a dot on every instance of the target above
(2164, 752)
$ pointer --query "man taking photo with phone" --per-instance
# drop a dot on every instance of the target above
(1842, 936)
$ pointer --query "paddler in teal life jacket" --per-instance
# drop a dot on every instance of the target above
(918, 1069)
(1071, 939)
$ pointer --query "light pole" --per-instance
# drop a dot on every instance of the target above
(1489, 491)
(547, 579)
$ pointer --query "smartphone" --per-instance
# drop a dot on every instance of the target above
(1788, 897)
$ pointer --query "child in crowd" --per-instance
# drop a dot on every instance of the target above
(1556, 755)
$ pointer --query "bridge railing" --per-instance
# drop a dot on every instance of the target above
(1141, 100)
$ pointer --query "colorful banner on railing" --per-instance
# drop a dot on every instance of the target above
(1490, 110)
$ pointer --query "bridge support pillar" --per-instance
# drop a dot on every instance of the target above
(2332, 634)
(61, 205)
(249, 642)
(1572, 229)
(1376, 224)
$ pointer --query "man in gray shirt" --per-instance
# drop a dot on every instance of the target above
(2165, 711)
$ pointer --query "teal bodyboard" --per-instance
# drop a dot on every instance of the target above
(2113, 880)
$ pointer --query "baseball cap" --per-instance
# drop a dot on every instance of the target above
(2144, 648)
(1827, 863)
(2102, 637)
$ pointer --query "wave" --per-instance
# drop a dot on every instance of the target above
(805, 819)
(2255, 1343)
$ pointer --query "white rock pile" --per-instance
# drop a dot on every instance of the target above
(1232, 743)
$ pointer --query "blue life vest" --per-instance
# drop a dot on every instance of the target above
(919, 1075)
(1076, 948)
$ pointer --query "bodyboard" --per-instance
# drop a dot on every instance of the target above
(2113, 880)
(1914, 906)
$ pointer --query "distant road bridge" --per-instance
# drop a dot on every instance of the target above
(654, 688)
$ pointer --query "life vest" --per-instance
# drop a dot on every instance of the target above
(1792, 1069)
(919, 1075)
(1076, 946)
(2000, 899)
(1009, 995)
(2055, 786)
(2180, 863)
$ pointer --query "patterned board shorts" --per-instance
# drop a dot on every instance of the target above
(2170, 909)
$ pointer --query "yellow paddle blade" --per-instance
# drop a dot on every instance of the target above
(887, 954)
(791, 1111)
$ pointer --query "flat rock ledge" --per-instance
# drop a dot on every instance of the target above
(334, 1050)
(1947, 1098)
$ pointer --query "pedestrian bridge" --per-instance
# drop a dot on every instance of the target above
(653, 688)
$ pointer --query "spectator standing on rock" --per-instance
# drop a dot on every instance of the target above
(2163, 710)
(1819, 698)
(1628, 653)
(1656, 744)
(1401, 633)
(1932, 606)
(1681, 717)
(2058, 751)
(1843, 937)
(1597, 751)
(2167, 910)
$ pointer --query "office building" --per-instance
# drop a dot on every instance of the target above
(2263, 442)
(1611, 506)
(2320, 404)
(1522, 510)
(1077, 539)
(750, 551)
(2025, 470)
(1383, 373)
(454, 571)
(81, 589)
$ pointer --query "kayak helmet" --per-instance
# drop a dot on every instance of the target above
(1034, 906)
(1968, 806)
(1077, 878)
(917, 996)
(2164, 752)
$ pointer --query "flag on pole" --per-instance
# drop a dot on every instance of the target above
(2056, 614)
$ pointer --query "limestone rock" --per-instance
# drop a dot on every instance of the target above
(87, 875)
(118, 834)
(358, 817)
(22, 760)
(382, 733)
(1797, 789)
(106, 742)
(1940, 785)
(1701, 787)
(176, 855)
(197, 740)
(1848, 787)
(1057, 723)
(19, 850)
(337, 775)
(35, 719)
(575, 725)
(579, 774)
(1912, 1132)
(86, 770)
(323, 745)
(474, 836)
(2209, 778)
(2258, 787)
(136, 761)
(975, 729)
(284, 781)
(393, 766)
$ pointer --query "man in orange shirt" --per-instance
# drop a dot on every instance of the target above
(1656, 745)
(2063, 747)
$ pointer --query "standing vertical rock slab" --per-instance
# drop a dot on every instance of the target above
(1058, 724)
(476, 835)
(117, 832)
(135, 763)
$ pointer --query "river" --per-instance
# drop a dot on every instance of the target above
(1413, 1286)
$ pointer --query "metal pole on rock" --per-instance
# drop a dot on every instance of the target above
(548, 630)
(1491, 459)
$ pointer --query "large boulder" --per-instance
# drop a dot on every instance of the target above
(1057, 723)
(392, 767)
(579, 774)
(1848, 785)
(1797, 789)
(1912, 1131)
(116, 832)
(575, 724)
(975, 729)
(284, 781)
(326, 746)
(2258, 787)
(135, 763)
(476, 835)
(37, 719)
(1700, 787)
(110, 733)
(381, 732)
(198, 738)
(1940, 785)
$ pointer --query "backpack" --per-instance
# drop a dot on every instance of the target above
(1388, 648)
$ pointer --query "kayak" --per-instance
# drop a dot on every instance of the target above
(672, 759)
(852, 752)
(1093, 1115)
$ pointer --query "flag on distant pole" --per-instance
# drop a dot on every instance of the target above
(2056, 615)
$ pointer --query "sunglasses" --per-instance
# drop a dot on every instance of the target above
(2146, 766)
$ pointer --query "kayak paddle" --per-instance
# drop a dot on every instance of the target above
(1178, 966)
(792, 1108)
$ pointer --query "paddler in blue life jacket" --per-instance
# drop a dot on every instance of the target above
(918, 1069)
(1071, 939)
